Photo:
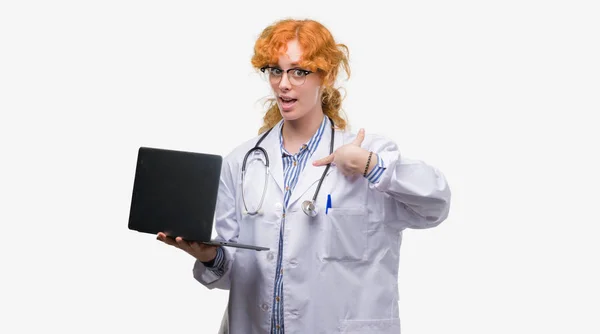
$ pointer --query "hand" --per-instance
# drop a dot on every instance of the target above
(350, 159)
(202, 252)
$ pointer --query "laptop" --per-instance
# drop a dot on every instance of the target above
(175, 192)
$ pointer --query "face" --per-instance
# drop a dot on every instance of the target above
(295, 100)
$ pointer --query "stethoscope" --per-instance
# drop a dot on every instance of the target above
(308, 206)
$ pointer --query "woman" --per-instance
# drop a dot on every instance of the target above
(333, 266)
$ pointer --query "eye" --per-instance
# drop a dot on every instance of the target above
(299, 73)
(275, 71)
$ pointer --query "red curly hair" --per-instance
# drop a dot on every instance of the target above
(320, 54)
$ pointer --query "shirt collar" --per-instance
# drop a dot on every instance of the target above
(311, 145)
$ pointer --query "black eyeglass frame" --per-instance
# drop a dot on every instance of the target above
(306, 72)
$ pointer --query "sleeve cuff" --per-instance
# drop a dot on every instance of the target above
(218, 263)
(375, 175)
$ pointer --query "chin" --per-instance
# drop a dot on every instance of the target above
(291, 115)
(287, 116)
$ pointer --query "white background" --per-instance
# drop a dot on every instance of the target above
(499, 95)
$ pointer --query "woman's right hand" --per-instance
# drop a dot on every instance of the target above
(202, 252)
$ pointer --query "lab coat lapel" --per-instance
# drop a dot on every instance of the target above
(273, 147)
(311, 175)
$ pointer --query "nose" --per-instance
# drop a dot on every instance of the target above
(284, 83)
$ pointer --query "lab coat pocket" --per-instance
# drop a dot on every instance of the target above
(346, 234)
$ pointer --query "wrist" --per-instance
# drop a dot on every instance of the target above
(367, 161)
(208, 258)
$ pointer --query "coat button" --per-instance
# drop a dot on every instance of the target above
(270, 256)
(265, 307)
(293, 263)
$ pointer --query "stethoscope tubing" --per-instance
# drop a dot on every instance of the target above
(305, 205)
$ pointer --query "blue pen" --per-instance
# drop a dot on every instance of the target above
(328, 203)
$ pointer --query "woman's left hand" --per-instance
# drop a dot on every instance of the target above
(350, 159)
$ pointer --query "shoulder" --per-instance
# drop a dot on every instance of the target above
(232, 162)
(240, 150)
(235, 157)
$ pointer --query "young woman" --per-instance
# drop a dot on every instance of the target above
(333, 209)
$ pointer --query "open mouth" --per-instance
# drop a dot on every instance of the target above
(287, 100)
(287, 103)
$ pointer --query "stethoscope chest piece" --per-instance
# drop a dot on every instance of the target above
(309, 208)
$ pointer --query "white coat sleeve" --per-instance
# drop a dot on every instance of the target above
(227, 228)
(418, 194)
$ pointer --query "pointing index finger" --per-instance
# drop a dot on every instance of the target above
(324, 161)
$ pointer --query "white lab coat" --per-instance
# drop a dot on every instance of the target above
(340, 269)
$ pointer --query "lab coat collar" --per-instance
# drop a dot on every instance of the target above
(271, 145)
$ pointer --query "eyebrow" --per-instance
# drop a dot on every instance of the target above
(293, 65)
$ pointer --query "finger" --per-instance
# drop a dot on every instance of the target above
(183, 244)
(359, 137)
(205, 246)
(167, 240)
(200, 247)
(324, 161)
(197, 247)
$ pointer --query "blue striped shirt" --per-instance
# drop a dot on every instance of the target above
(293, 164)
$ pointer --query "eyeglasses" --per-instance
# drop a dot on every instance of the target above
(296, 76)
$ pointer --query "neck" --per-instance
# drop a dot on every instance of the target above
(302, 129)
